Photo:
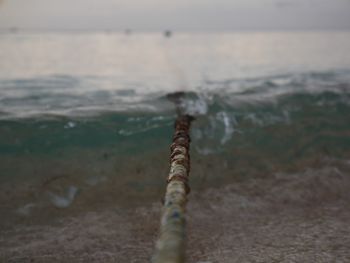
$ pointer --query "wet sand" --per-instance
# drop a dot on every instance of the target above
(301, 217)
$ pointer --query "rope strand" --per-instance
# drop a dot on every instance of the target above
(170, 246)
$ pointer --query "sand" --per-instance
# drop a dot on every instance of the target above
(302, 217)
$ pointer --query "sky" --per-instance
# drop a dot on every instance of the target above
(181, 15)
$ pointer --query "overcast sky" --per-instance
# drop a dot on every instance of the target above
(203, 15)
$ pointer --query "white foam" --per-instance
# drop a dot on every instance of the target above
(195, 107)
(66, 200)
(70, 125)
(228, 126)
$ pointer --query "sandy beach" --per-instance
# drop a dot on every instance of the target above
(285, 218)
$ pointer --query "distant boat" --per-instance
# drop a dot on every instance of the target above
(167, 33)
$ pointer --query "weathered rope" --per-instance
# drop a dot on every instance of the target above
(170, 246)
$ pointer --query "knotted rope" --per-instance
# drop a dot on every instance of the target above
(170, 246)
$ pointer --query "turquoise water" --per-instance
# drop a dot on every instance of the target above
(319, 98)
(84, 119)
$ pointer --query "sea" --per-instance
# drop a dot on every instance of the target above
(86, 123)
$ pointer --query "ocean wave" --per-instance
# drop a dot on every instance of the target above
(101, 117)
(70, 96)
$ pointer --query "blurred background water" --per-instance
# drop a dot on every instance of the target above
(85, 123)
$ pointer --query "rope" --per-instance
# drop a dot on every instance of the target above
(170, 246)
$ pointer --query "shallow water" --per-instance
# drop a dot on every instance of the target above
(85, 127)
